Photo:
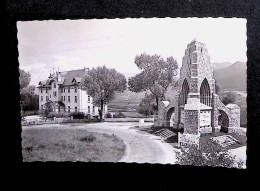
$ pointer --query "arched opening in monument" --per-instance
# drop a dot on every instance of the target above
(223, 120)
(170, 117)
(205, 93)
(184, 93)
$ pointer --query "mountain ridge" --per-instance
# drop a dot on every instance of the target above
(232, 77)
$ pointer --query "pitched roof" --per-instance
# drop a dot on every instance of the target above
(44, 83)
(68, 78)
(70, 75)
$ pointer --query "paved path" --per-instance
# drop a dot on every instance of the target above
(141, 147)
(33, 117)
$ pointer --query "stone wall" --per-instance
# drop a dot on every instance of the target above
(235, 115)
(237, 130)
(232, 111)
(215, 112)
(189, 139)
(205, 130)
(191, 122)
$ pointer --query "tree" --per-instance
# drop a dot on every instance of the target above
(146, 107)
(209, 154)
(31, 88)
(228, 97)
(157, 74)
(48, 108)
(24, 78)
(29, 100)
(102, 83)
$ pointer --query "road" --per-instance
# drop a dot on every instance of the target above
(141, 147)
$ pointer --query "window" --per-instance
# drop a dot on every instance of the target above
(68, 108)
(88, 109)
(46, 90)
(47, 98)
(93, 109)
(64, 98)
(68, 98)
(41, 98)
(76, 109)
(68, 89)
(54, 85)
(42, 106)
(88, 98)
(64, 90)
(75, 89)
(50, 95)
(41, 90)
(54, 94)
(75, 99)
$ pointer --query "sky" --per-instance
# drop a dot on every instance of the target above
(75, 44)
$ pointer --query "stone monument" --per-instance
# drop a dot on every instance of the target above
(196, 107)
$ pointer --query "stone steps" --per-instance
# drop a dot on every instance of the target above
(225, 140)
(164, 133)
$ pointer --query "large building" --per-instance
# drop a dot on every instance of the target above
(66, 92)
(196, 107)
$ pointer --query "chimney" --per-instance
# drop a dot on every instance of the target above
(86, 70)
(50, 74)
(59, 77)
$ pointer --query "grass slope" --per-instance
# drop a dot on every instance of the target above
(70, 145)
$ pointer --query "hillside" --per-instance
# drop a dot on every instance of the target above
(126, 101)
(220, 65)
(129, 101)
(232, 77)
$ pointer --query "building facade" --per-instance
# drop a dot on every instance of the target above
(66, 92)
(196, 108)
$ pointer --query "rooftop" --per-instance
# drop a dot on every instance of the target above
(65, 78)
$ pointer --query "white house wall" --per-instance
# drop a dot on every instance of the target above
(44, 96)
(83, 104)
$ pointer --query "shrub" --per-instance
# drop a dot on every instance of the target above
(95, 117)
(108, 115)
(228, 97)
(119, 115)
(208, 155)
(48, 108)
(78, 115)
(57, 115)
(146, 106)
(88, 138)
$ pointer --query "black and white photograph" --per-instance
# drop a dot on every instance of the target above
(134, 90)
